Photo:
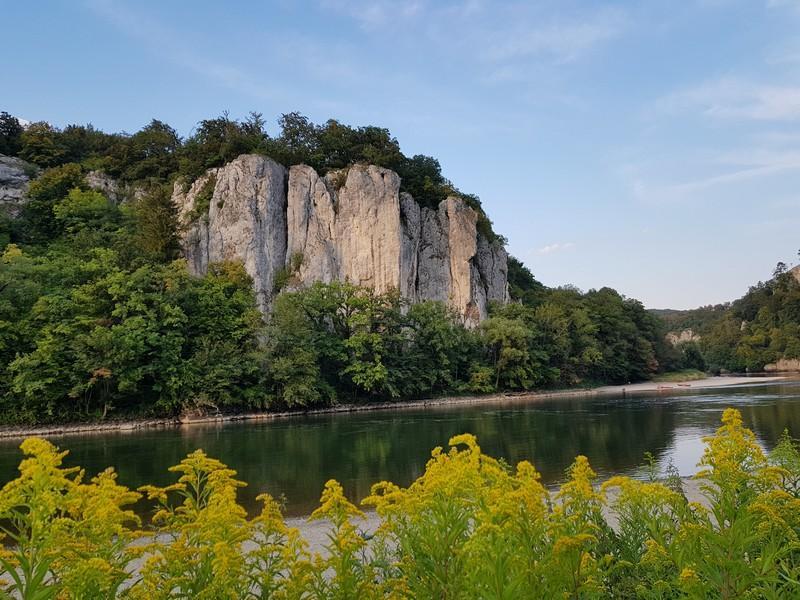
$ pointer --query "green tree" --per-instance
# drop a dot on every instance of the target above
(149, 339)
(508, 341)
(42, 146)
(293, 362)
(440, 351)
(82, 208)
(38, 222)
(149, 154)
(219, 141)
(522, 285)
(10, 134)
(157, 223)
(86, 145)
(759, 328)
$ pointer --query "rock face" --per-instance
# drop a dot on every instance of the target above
(108, 186)
(353, 225)
(15, 175)
(238, 212)
(784, 365)
(681, 337)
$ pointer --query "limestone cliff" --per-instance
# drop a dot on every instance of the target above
(784, 365)
(682, 337)
(108, 186)
(15, 175)
(237, 212)
(353, 225)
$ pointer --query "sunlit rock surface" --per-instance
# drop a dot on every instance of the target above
(351, 225)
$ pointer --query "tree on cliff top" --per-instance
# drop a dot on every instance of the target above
(10, 134)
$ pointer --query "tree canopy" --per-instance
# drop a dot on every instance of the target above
(158, 153)
(761, 327)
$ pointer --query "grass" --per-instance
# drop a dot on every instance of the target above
(677, 376)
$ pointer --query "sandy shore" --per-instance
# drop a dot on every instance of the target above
(647, 387)
(697, 384)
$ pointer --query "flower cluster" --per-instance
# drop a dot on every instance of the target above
(470, 527)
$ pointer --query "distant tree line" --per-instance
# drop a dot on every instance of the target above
(759, 328)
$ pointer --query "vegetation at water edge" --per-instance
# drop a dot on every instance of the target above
(680, 376)
(760, 328)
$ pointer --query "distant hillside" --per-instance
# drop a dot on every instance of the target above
(699, 320)
(756, 331)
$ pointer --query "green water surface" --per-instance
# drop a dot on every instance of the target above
(292, 458)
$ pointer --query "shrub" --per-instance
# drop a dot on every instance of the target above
(469, 527)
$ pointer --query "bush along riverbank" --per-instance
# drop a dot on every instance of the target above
(470, 527)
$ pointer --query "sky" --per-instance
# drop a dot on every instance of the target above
(652, 146)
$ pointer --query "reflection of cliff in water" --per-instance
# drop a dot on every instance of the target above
(295, 457)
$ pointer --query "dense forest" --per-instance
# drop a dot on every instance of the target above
(99, 317)
(759, 328)
(745, 335)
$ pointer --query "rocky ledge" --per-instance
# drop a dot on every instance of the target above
(15, 175)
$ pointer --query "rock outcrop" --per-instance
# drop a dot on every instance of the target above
(682, 337)
(15, 175)
(106, 185)
(352, 225)
(238, 212)
(784, 365)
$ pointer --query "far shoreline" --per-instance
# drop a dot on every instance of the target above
(643, 388)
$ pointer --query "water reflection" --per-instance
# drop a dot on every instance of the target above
(294, 458)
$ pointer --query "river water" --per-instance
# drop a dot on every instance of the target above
(292, 458)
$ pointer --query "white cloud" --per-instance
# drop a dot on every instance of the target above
(495, 33)
(170, 45)
(371, 14)
(564, 41)
(736, 99)
(557, 247)
(737, 167)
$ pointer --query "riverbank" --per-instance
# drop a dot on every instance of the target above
(647, 387)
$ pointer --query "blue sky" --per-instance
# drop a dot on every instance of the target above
(653, 147)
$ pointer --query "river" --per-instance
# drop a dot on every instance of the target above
(292, 458)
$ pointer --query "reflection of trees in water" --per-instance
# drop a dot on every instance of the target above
(613, 436)
(295, 457)
(766, 410)
(769, 420)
